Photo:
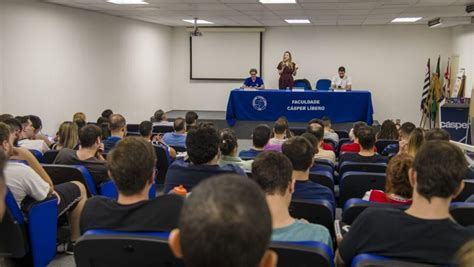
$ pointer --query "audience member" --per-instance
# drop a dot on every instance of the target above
(329, 133)
(118, 130)
(415, 141)
(273, 173)
(146, 131)
(3, 189)
(280, 129)
(318, 132)
(105, 129)
(300, 152)
(228, 147)
(260, 137)
(202, 145)
(107, 114)
(79, 118)
(5, 116)
(26, 185)
(398, 189)
(101, 120)
(366, 140)
(388, 131)
(89, 154)
(437, 134)
(404, 134)
(191, 118)
(314, 127)
(425, 232)
(27, 136)
(38, 126)
(354, 146)
(16, 128)
(465, 256)
(160, 119)
(221, 220)
(178, 137)
(68, 135)
(131, 164)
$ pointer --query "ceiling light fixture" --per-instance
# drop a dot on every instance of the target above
(128, 2)
(197, 21)
(406, 20)
(277, 1)
(298, 21)
(434, 22)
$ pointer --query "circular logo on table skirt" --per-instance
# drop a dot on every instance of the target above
(259, 103)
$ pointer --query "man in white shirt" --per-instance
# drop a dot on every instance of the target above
(341, 81)
(27, 136)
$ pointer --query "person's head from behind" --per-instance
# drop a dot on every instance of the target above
(366, 137)
(3, 189)
(273, 173)
(397, 181)
(280, 128)
(90, 136)
(405, 130)
(5, 139)
(15, 127)
(191, 118)
(5, 116)
(437, 171)
(145, 128)
(437, 134)
(131, 163)
(261, 135)
(253, 73)
(313, 140)
(316, 128)
(228, 142)
(179, 125)
(28, 131)
(68, 135)
(326, 122)
(415, 141)
(36, 123)
(80, 119)
(388, 131)
(107, 113)
(118, 125)
(342, 71)
(202, 144)
(101, 120)
(355, 129)
(300, 152)
(159, 115)
(224, 217)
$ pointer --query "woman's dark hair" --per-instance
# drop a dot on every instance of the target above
(158, 116)
(388, 131)
(107, 113)
(228, 141)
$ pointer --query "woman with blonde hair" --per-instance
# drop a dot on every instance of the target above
(68, 136)
(415, 141)
(287, 69)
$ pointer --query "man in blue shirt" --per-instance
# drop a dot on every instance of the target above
(118, 129)
(178, 137)
(253, 81)
(300, 152)
(202, 145)
(260, 137)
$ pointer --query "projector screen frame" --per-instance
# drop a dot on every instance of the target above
(220, 79)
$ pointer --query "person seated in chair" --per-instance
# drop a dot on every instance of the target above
(260, 137)
(318, 133)
(131, 165)
(425, 232)
(280, 134)
(329, 133)
(228, 146)
(253, 81)
(38, 126)
(366, 141)
(341, 81)
(404, 135)
(27, 186)
(28, 136)
(191, 119)
(3, 189)
(354, 146)
(300, 152)
(178, 137)
(160, 119)
(202, 145)
(146, 131)
(314, 127)
(89, 154)
(437, 134)
(224, 222)
(118, 130)
(272, 171)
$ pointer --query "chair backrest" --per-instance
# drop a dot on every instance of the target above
(381, 144)
(349, 166)
(302, 83)
(323, 178)
(38, 155)
(66, 173)
(323, 84)
(297, 131)
(133, 129)
(97, 248)
(109, 189)
(162, 129)
(342, 141)
(163, 162)
(331, 142)
(314, 211)
(14, 242)
(355, 184)
(325, 162)
(303, 254)
(467, 192)
(355, 206)
(342, 134)
(462, 212)
(50, 156)
(370, 260)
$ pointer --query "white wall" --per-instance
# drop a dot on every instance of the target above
(388, 60)
(2, 36)
(59, 60)
(463, 46)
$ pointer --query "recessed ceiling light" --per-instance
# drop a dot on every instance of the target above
(298, 21)
(414, 19)
(277, 1)
(199, 21)
(128, 2)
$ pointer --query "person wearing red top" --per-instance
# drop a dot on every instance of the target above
(313, 126)
(398, 189)
(354, 146)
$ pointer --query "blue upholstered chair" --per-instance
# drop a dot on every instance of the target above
(323, 84)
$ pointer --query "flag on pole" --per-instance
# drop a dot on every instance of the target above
(426, 90)
(447, 80)
(436, 92)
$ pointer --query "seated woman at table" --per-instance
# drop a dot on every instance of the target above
(287, 69)
(341, 81)
(253, 81)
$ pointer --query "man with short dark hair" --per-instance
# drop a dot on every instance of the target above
(341, 81)
(107, 114)
(260, 137)
(27, 136)
(145, 128)
(366, 139)
(300, 152)
(404, 134)
(89, 154)
(191, 118)
(118, 130)
(272, 171)
(178, 137)
(425, 232)
(437, 134)
(131, 165)
(280, 129)
(354, 146)
(253, 81)
(224, 222)
(202, 145)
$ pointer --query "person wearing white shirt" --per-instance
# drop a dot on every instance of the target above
(341, 81)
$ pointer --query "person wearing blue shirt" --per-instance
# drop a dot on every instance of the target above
(178, 137)
(260, 137)
(253, 81)
(300, 152)
(118, 130)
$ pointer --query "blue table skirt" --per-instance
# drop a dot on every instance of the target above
(268, 105)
